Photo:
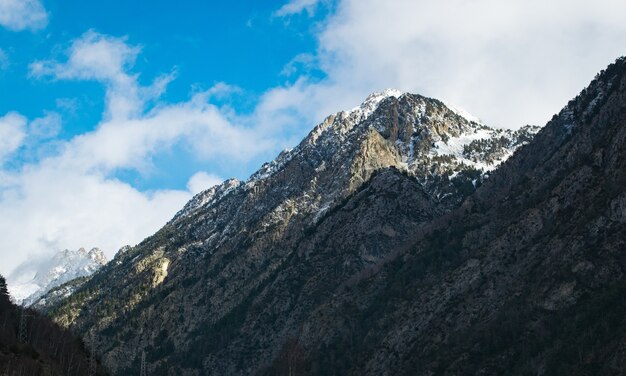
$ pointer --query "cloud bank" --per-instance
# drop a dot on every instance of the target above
(508, 62)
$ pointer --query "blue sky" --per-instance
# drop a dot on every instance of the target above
(242, 43)
(208, 42)
(114, 113)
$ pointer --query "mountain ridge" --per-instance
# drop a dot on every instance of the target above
(366, 251)
(251, 229)
(500, 143)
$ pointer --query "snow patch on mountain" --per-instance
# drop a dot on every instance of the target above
(463, 113)
(207, 197)
(455, 147)
(373, 100)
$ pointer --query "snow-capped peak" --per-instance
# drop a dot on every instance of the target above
(373, 100)
(58, 269)
(433, 141)
(378, 96)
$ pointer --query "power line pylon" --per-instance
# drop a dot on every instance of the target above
(23, 335)
(144, 372)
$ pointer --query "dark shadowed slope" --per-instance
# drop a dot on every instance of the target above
(527, 277)
(30, 344)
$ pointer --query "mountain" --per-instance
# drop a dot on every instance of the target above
(378, 247)
(525, 277)
(64, 266)
(398, 161)
(30, 344)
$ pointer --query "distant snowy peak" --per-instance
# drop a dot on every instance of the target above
(60, 268)
(80, 263)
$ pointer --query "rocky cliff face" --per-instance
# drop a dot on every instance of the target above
(276, 247)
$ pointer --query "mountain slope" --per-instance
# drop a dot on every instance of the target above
(195, 279)
(45, 349)
(363, 252)
(526, 277)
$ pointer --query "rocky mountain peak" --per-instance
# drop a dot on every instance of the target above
(98, 256)
(447, 152)
(230, 238)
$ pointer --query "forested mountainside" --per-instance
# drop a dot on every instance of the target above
(378, 246)
(31, 344)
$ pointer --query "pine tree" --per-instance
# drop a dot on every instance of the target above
(5, 301)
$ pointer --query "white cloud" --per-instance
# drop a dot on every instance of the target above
(49, 208)
(70, 199)
(300, 62)
(68, 105)
(93, 56)
(220, 90)
(508, 62)
(296, 7)
(12, 134)
(202, 181)
(47, 126)
(105, 59)
(130, 143)
(19, 15)
(129, 135)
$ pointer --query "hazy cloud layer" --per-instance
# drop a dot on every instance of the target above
(297, 6)
(508, 62)
(12, 134)
(17, 15)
